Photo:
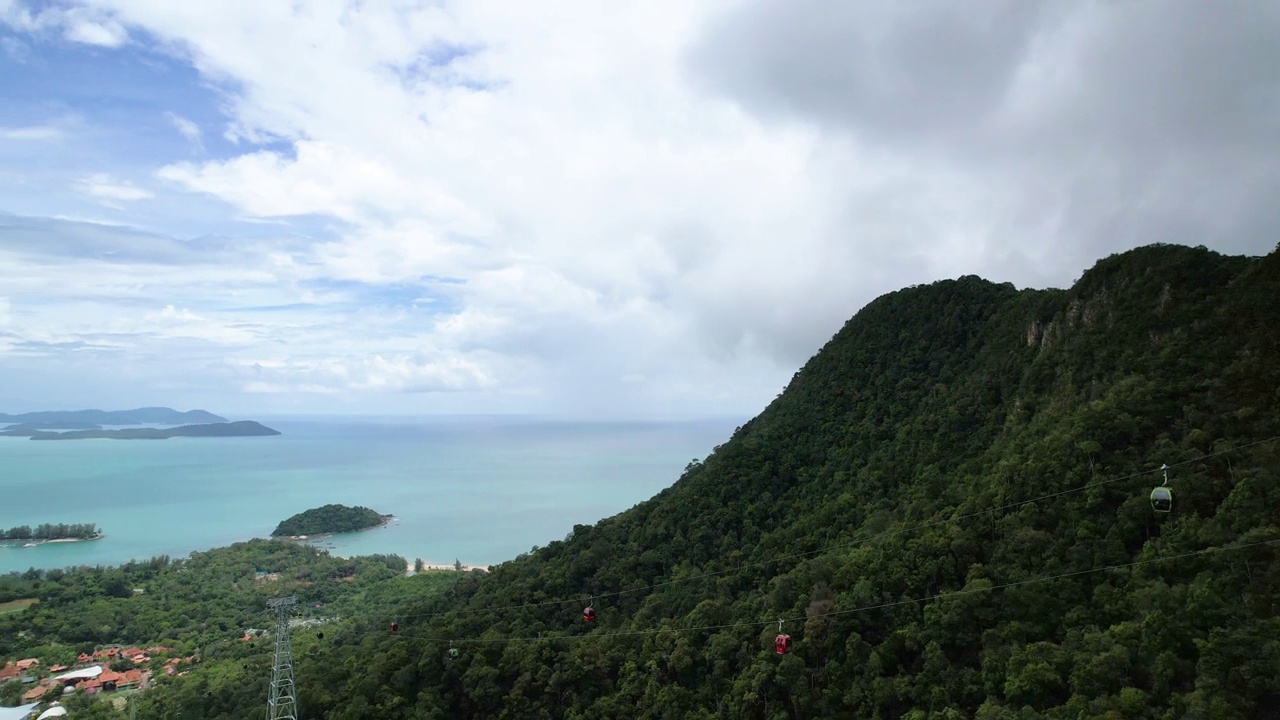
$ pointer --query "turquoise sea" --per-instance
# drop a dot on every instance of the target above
(477, 489)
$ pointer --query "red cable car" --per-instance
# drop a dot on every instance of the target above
(782, 644)
(394, 627)
(589, 615)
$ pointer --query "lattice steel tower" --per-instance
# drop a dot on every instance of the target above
(282, 703)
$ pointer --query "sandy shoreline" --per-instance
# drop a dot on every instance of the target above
(408, 570)
(32, 542)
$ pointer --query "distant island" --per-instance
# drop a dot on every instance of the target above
(48, 532)
(329, 519)
(67, 419)
(242, 428)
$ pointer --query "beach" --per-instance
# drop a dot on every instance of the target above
(408, 570)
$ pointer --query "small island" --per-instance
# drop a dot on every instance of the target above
(329, 519)
(48, 532)
(242, 428)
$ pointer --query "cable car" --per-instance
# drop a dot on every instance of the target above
(589, 615)
(453, 652)
(1162, 499)
(782, 644)
(394, 627)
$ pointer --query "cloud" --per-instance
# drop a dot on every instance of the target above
(78, 24)
(102, 185)
(187, 129)
(665, 205)
(1080, 128)
(34, 132)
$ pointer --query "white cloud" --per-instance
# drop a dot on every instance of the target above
(102, 185)
(187, 129)
(34, 132)
(93, 33)
(78, 24)
(594, 223)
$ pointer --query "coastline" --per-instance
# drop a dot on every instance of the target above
(32, 542)
(408, 570)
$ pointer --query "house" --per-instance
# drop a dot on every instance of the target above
(77, 677)
(58, 668)
(34, 693)
(9, 672)
(28, 663)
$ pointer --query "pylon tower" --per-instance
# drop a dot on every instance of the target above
(282, 703)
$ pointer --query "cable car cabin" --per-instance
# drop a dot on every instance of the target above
(453, 652)
(394, 627)
(589, 615)
(782, 644)
(1162, 499)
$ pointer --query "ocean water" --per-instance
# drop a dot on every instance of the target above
(477, 489)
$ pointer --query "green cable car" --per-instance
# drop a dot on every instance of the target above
(1162, 499)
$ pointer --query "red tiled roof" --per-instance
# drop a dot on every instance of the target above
(57, 668)
(34, 693)
(24, 664)
(10, 670)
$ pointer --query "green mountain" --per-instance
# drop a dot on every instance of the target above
(879, 505)
(948, 509)
(140, 416)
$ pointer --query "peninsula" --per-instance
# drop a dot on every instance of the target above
(329, 519)
(242, 428)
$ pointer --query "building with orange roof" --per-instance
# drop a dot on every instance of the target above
(9, 672)
(29, 662)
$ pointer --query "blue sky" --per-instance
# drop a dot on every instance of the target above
(656, 209)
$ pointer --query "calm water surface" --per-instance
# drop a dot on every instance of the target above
(480, 490)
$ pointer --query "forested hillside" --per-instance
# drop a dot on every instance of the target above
(894, 468)
(948, 509)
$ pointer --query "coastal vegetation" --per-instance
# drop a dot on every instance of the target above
(48, 531)
(947, 510)
(329, 519)
(210, 605)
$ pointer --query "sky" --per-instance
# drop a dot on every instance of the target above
(569, 207)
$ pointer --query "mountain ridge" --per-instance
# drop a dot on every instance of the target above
(137, 416)
(958, 399)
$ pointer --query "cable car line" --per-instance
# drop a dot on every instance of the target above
(843, 545)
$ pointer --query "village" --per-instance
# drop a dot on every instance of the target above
(113, 672)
